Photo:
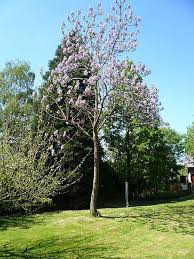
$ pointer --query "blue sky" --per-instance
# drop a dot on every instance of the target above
(30, 30)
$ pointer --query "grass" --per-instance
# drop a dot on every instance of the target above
(156, 231)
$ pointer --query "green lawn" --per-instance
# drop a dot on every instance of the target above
(157, 231)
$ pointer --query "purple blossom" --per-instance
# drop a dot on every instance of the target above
(102, 43)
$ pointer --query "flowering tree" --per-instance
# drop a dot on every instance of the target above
(100, 43)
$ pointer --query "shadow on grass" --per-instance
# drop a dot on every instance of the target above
(179, 219)
(58, 247)
(170, 218)
(19, 222)
(115, 217)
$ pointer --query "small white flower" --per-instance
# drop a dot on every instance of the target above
(55, 133)
(52, 152)
(33, 94)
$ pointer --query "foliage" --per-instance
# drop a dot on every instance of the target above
(148, 157)
(26, 182)
(59, 133)
(16, 100)
(189, 140)
(30, 174)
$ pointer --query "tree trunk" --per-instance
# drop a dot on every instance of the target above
(95, 187)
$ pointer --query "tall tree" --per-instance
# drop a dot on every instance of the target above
(99, 42)
(79, 145)
(16, 100)
(189, 140)
(150, 162)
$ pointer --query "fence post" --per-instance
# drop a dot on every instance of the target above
(127, 194)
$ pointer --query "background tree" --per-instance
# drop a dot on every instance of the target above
(17, 107)
(155, 155)
(189, 140)
(120, 132)
(78, 144)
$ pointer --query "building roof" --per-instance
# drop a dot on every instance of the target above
(189, 161)
(190, 166)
